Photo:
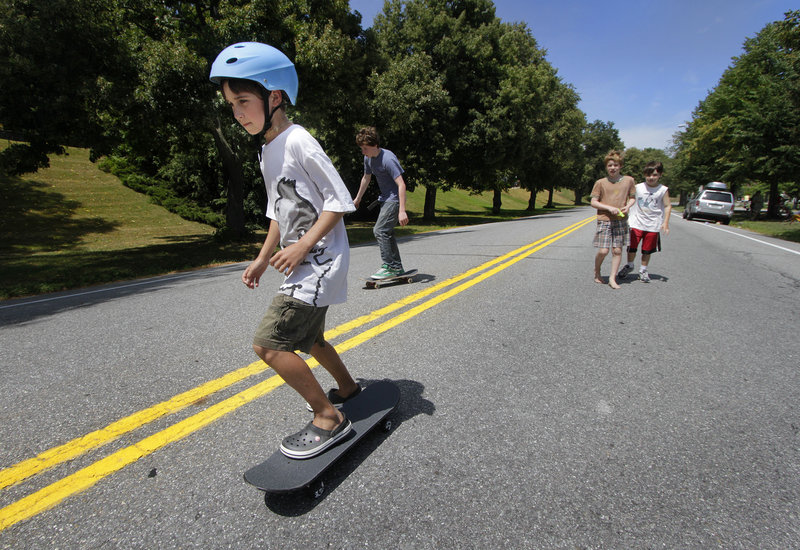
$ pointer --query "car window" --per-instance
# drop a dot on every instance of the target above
(718, 196)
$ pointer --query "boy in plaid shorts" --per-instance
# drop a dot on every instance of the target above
(612, 196)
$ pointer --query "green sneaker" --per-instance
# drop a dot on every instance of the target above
(383, 273)
(386, 272)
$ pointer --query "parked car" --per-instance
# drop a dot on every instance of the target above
(712, 202)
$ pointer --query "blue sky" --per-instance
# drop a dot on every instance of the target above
(642, 64)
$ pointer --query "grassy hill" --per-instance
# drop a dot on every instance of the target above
(72, 225)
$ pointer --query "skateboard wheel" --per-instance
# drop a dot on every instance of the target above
(387, 425)
(318, 490)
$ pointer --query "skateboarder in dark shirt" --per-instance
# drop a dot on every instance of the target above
(387, 170)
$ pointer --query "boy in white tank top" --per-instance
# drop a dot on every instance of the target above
(648, 217)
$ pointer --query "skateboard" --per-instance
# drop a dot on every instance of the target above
(281, 474)
(407, 276)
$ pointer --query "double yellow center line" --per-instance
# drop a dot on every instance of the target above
(81, 480)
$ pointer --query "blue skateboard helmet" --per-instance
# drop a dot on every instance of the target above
(257, 62)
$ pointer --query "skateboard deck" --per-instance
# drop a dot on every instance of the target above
(281, 474)
(407, 276)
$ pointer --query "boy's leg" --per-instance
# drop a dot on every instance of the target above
(645, 260)
(602, 242)
(296, 373)
(328, 357)
(384, 234)
(616, 259)
(598, 261)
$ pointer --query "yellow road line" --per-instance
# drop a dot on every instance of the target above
(364, 319)
(23, 470)
(62, 453)
(51, 495)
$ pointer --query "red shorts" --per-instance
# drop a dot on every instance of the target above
(651, 241)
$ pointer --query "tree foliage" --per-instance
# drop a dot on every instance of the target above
(465, 99)
(748, 127)
(598, 139)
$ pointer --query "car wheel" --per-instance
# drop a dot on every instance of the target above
(684, 214)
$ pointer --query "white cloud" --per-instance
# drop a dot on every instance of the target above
(641, 137)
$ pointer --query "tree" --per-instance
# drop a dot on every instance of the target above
(598, 139)
(57, 60)
(536, 116)
(412, 105)
(746, 129)
(131, 78)
(637, 159)
(452, 48)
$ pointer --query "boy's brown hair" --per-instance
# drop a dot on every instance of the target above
(614, 155)
(368, 135)
(239, 85)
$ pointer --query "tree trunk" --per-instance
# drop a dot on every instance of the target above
(429, 214)
(532, 201)
(234, 177)
(774, 204)
(549, 199)
(578, 195)
(497, 201)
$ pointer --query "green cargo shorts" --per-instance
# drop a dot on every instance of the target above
(291, 324)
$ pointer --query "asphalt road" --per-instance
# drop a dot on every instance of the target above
(539, 409)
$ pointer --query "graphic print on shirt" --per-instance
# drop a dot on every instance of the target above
(648, 202)
(295, 212)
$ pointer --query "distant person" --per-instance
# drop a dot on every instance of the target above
(307, 200)
(649, 216)
(756, 204)
(387, 170)
(612, 196)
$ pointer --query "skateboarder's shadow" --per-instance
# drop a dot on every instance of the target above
(411, 404)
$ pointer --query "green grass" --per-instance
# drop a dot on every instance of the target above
(72, 225)
(778, 229)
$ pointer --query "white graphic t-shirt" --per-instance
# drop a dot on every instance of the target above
(302, 182)
(647, 214)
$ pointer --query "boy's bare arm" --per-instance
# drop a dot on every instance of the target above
(252, 275)
(667, 212)
(402, 216)
(289, 258)
(613, 210)
(362, 188)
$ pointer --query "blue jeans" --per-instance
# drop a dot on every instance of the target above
(384, 233)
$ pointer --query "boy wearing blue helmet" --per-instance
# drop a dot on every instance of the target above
(307, 200)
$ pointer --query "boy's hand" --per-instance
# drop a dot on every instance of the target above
(402, 218)
(287, 259)
(252, 275)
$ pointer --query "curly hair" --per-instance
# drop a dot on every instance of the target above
(368, 135)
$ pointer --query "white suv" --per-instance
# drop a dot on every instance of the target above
(713, 202)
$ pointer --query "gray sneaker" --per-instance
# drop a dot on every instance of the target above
(335, 399)
(624, 271)
(644, 277)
